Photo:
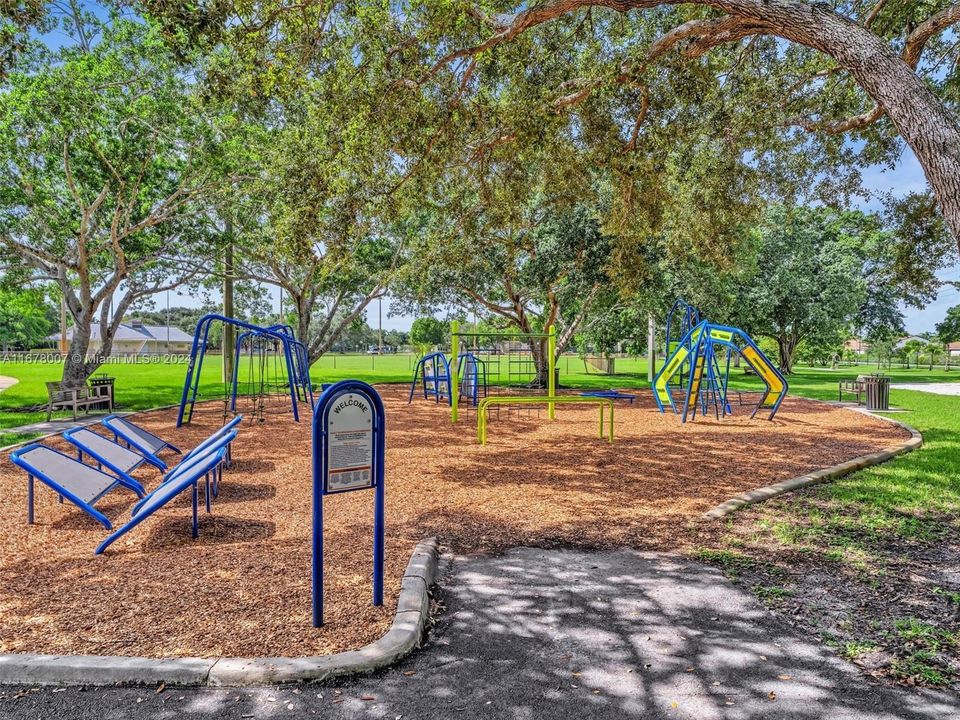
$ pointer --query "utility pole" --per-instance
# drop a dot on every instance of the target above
(168, 322)
(63, 326)
(651, 348)
(228, 329)
(380, 325)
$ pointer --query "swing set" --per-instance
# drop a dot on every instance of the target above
(290, 374)
(267, 376)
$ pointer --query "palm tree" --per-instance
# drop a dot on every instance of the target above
(932, 350)
(912, 347)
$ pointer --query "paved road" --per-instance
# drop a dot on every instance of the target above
(944, 388)
(552, 634)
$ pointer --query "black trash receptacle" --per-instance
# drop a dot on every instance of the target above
(878, 392)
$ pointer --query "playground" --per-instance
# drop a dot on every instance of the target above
(243, 587)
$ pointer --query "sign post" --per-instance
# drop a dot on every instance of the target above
(349, 441)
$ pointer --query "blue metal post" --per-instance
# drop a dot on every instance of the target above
(379, 513)
(236, 371)
(30, 499)
(317, 554)
(196, 522)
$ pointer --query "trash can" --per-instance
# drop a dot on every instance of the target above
(101, 388)
(878, 392)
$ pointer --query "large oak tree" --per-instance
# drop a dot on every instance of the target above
(104, 187)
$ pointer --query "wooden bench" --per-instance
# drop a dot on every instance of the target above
(61, 398)
(856, 387)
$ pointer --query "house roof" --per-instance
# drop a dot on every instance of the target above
(128, 332)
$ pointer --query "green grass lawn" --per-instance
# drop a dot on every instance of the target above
(145, 385)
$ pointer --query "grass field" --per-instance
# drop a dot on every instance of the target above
(144, 385)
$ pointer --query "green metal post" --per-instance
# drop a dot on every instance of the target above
(454, 362)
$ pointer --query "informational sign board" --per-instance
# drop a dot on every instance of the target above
(349, 446)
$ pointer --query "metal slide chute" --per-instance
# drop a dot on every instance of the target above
(710, 373)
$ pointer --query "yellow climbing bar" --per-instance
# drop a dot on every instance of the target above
(679, 357)
(765, 371)
(549, 401)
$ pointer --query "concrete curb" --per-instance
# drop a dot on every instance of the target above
(404, 636)
(820, 476)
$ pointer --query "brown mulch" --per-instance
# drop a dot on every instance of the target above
(243, 588)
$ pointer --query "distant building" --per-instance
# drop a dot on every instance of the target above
(954, 349)
(908, 338)
(857, 345)
(135, 338)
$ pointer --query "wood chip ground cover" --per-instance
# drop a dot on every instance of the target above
(243, 588)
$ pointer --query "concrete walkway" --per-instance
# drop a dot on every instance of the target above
(7, 381)
(58, 426)
(943, 388)
(538, 635)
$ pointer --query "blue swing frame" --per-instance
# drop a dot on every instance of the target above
(191, 383)
(301, 367)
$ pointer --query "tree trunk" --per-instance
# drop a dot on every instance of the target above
(786, 345)
(919, 116)
(304, 316)
(540, 352)
(77, 366)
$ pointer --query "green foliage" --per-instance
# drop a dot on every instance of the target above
(428, 332)
(807, 284)
(25, 319)
(948, 329)
(106, 170)
(819, 274)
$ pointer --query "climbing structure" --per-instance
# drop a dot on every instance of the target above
(432, 374)
(708, 349)
(472, 372)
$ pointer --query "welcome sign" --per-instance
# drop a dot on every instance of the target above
(349, 446)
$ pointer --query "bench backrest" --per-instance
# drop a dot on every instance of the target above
(58, 394)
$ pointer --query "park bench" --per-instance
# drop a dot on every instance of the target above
(61, 398)
(856, 387)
